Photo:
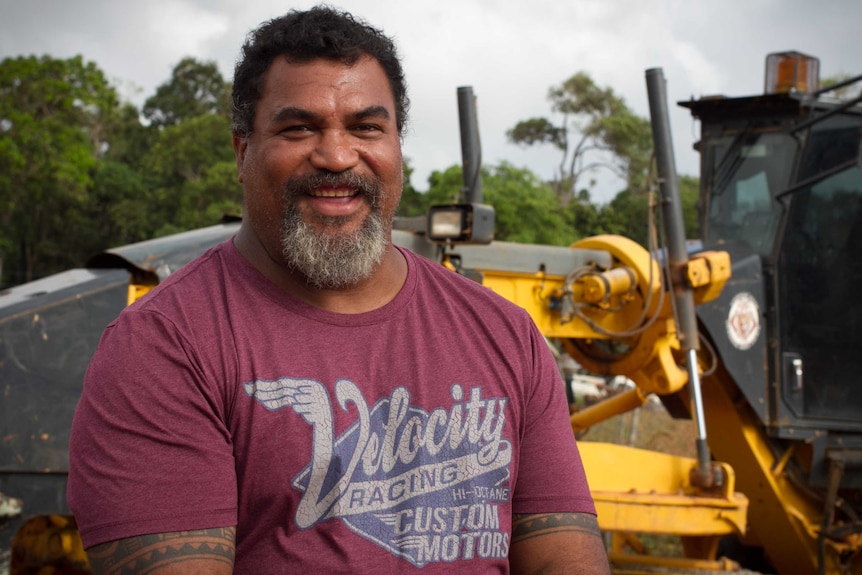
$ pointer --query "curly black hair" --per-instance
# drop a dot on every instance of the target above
(302, 36)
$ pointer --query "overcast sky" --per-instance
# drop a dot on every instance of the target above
(509, 51)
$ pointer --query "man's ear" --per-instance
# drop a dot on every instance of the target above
(240, 145)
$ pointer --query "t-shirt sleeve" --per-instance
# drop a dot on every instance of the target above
(551, 477)
(150, 450)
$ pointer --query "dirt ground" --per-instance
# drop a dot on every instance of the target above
(649, 427)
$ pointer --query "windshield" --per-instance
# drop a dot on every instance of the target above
(746, 171)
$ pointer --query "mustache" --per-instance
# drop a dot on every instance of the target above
(369, 186)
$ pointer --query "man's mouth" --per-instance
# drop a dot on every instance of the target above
(337, 191)
(334, 193)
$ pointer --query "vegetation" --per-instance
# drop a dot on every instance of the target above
(596, 131)
(81, 171)
(528, 210)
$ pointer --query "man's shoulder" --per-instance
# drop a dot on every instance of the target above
(189, 290)
(200, 270)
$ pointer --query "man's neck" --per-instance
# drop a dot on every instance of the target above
(372, 293)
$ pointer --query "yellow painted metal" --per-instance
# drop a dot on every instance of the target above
(48, 544)
(446, 262)
(785, 517)
(643, 564)
(141, 282)
(137, 291)
(598, 288)
(535, 292)
(615, 405)
(635, 491)
(639, 491)
(649, 361)
(707, 272)
(643, 491)
(630, 254)
(629, 296)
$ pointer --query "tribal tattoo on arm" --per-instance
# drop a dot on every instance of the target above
(208, 551)
(557, 544)
(526, 527)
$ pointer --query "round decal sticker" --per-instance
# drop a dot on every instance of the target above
(743, 321)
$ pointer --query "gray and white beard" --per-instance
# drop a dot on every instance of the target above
(333, 261)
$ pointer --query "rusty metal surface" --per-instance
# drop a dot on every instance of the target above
(48, 331)
(165, 255)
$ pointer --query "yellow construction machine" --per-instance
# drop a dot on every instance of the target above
(750, 332)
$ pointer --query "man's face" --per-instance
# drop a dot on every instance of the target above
(322, 170)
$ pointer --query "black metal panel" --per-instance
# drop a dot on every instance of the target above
(741, 348)
(49, 329)
(760, 107)
(46, 341)
(819, 271)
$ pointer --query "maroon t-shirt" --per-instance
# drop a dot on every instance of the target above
(401, 438)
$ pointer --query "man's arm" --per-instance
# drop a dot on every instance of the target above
(207, 551)
(551, 543)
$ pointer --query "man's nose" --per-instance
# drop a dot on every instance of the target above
(335, 151)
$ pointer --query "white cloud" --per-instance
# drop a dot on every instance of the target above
(700, 72)
(178, 27)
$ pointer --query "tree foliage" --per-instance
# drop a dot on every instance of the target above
(195, 89)
(628, 213)
(527, 211)
(54, 116)
(80, 171)
(596, 131)
(524, 204)
(413, 202)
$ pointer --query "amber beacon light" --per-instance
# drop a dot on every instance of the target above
(791, 72)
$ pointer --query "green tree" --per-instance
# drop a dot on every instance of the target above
(128, 139)
(596, 130)
(190, 165)
(54, 120)
(628, 213)
(526, 208)
(689, 191)
(413, 202)
(194, 89)
(193, 173)
(119, 207)
(585, 218)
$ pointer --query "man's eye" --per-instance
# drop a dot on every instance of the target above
(296, 130)
(367, 129)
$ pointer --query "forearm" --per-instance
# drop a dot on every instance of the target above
(551, 543)
(205, 551)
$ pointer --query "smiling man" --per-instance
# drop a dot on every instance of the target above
(322, 174)
(307, 397)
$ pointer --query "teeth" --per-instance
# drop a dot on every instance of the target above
(332, 193)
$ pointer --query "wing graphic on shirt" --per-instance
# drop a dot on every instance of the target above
(307, 397)
(390, 519)
(410, 543)
(310, 399)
